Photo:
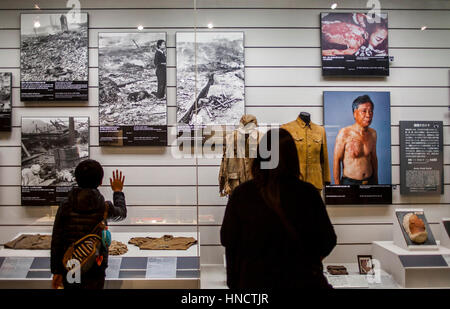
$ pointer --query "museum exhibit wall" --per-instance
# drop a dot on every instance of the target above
(282, 78)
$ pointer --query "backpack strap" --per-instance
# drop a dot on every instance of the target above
(102, 224)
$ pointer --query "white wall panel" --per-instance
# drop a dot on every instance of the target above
(156, 195)
(283, 77)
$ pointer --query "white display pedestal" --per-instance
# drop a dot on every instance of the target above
(414, 269)
(136, 269)
(445, 234)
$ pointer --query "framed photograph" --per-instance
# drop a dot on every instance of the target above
(51, 149)
(5, 101)
(132, 89)
(354, 44)
(210, 79)
(365, 265)
(358, 130)
(54, 57)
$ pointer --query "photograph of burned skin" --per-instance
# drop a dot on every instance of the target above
(132, 79)
(354, 34)
(5, 92)
(215, 96)
(54, 47)
(52, 148)
(358, 134)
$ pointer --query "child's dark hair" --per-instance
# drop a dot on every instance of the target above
(89, 174)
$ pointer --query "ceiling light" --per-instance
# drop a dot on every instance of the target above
(37, 24)
(210, 26)
(333, 6)
(423, 28)
(140, 27)
(36, 6)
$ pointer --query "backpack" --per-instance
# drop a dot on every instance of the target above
(88, 249)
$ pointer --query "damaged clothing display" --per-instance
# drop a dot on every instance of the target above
(117, 248)
(311, 143)
(166, 242)
(30, 242)
(337, 270)
(238, 154)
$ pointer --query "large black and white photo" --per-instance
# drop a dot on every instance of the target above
(210, 78)
(132, 89)
(51, 149)
(54, 57)
(5, 101)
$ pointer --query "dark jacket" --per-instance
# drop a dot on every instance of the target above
(77, 217)
(262, 253)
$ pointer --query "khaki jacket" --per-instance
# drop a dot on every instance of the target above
(238, 155)
(312, 151)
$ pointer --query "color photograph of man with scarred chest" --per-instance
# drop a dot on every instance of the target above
(358, 131)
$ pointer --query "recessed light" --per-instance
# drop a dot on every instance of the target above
(140, 27)
(37, 24)
(36, 6)
(210, 26)
(423, 28)
(333, 6)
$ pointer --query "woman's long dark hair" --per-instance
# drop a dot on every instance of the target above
(268, 181)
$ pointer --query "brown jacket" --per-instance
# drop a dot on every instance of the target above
(312, 151)
(238, 155)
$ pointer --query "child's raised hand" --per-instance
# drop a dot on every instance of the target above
(117, 181)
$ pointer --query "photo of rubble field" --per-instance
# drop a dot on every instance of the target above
(5, 92)
(54, 47)
(128, 81)
(218, 58)
(52, 148)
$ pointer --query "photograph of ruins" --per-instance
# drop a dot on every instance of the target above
(215, 96)
(54, 47)
(132, 73)
(5, 92)
(52, 148)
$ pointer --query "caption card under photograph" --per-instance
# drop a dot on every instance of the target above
(354, 44)
(5, 101)
(54, 57)
(210, 82)
(132, 89)
(358, 129)
(51, 149)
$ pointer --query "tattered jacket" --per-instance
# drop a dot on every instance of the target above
(311, 143)
(239, 153)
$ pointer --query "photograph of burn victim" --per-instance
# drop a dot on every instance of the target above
(354, 34)
(54, 47)
(210, 78)
(52, 148)
(5, 92)
(132, 79)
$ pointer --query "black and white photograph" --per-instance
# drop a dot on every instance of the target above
(132, 89)
(5, 101)
(210, 78)
(51, 149)
(54, 57)
(354, 44)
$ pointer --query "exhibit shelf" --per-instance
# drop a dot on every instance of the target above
(414, 269)
(354, 280)
(136, 269)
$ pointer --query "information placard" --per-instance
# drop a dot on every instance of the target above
(421, 157)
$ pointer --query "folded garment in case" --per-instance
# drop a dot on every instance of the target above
(337, 270)
(30, 242)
